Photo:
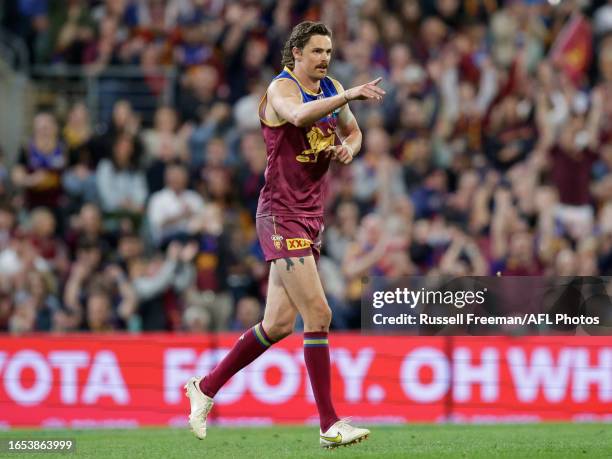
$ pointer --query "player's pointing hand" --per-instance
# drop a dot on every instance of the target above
(341, 153)
(366, 91)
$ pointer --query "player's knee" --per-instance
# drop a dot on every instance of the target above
(319, 318)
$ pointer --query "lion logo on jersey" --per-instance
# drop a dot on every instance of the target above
(318, 142)
(277, 239)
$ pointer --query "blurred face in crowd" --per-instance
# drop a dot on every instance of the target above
(122, 151)
(253, 151)
(433, 32)
(605, 60)
(7, 219)
(23, 318)
(371, 8)
(78, 116)
(587, 258)
(413, 115)
(392, 29)
(566, 263)
(108, 31)
(218, 183)
(248, 311)
(115, 7)
(411, 10)
(216, 153)
(399, 56)
(545, 74)
(521, 246)
(605, 218)
(176, 178)
(165, 119)
(371, 230)
(348, 216)
(204, 80)
(417, 151)
(447, 8)
(122, 112)
(359, 56)
(256, 53)
(467, 95)
(43, 223)
(90, 219)
(150, 57)
(197, 320)
(98, 311)
(45, 127)
(36, 286)
(377, 142)
(130, 246)
(436, 181)
(89, 256)
(369, 32)
(314, 58)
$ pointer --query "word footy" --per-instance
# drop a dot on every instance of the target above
(412, 298)
(473, 319)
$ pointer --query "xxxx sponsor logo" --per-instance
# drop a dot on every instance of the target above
(298, 243)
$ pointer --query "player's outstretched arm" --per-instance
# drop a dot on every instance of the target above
(349, 133)
(286, 100)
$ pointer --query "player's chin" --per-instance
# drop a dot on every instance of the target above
(321, 71)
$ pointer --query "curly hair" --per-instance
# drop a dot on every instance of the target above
(300, 35)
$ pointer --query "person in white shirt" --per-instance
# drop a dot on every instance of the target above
(173, 210)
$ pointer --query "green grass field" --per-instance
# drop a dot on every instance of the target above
(413, 441)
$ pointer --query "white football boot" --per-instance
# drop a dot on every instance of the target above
(201, 405)
(342, 434)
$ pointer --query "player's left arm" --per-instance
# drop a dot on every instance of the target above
(349, 133)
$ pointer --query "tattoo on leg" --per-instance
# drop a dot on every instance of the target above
(302, 260)
(290, 263)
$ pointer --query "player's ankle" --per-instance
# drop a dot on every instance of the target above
(327, 423)
(205, 389)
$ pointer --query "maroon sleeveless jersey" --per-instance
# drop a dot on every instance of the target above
(295, 176)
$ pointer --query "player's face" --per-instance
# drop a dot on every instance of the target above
(316, 55)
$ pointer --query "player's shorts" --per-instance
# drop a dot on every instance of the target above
(286, 237)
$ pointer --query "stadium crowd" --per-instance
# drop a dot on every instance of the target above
(486, 155)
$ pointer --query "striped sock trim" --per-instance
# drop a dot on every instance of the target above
(261, 336)
(312, 339)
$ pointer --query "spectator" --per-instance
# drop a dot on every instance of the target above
(173, 212)
(86, 227)
(79, 178)
(158, 281)
(41, 163)
(121, 185)
(71, 29)
(248, 313)
(41, 235)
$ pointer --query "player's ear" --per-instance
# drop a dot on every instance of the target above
(297, 53)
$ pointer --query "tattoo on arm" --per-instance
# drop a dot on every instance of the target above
(302, 260)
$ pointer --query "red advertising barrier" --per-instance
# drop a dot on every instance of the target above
(123, 380)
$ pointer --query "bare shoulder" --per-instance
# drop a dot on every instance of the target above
(282, 94)
(283, 87)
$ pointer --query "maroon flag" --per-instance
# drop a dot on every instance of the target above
(573, 47)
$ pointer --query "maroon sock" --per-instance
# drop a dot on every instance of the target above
(249, 346)
(316, 357)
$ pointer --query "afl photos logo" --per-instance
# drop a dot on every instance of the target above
(278, 241)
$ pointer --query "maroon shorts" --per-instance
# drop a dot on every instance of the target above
(286, 237)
